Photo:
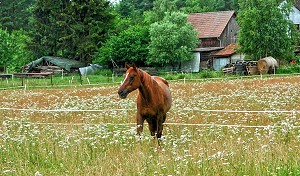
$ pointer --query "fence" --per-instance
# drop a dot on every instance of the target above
(293, 112)
(95, 80)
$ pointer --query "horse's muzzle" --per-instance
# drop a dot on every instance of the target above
(123, 93)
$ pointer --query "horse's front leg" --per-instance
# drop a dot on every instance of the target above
(152, 126)
(140, 122)
(160, 121)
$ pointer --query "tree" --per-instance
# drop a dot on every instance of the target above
(128, 46)
(265, 29)
(21, 55)
(45, 30)
(13, 51)
(134, 9)
(160, 9)
(5, 51)
(172, 40)
(231, 5)
(196, 6)
(14, 14)
(73, 29)
(131, 8)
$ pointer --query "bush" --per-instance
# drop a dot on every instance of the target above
(103, 72)
(288, 69)
(208, 74)
(13, 51)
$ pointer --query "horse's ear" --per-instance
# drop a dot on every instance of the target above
(127, 66)
(134, 66)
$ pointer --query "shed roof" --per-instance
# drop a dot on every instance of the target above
(227, 51)
(210, 24)
(63, 63)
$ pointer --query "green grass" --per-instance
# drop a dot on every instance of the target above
(105, 76)
(289, 69)
(104, 142)
(111, 150)
(58, 80)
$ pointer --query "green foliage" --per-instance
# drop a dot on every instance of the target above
(209, 74)
(289, 69)
(161, 8)
(13, 51)
(133, 8)
(196, 6)
(5, 51)
(20, 53)
(265, 30)
(14, 14)
(172, 40)
(72, 28)
(125, 8)
(129, 46)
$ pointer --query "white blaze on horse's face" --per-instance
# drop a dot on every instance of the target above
(126, 76)
(130, 83)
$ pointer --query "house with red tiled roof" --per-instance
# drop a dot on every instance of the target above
(215, 30)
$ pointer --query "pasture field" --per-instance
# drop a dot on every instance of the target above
(215, 127)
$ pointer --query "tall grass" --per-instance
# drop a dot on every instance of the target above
(114, 150)
(103, 142)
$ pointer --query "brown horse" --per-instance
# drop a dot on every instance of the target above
(153, 101)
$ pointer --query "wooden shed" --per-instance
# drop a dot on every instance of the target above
(215, 30)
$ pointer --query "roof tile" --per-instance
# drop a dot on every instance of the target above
(227, 51)
(210, 24)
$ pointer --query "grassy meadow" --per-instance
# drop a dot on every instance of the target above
(215, 127)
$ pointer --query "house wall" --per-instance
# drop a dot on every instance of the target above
(236, 57)
(229, 34)
(295, 17)
(219, 63)
(192, 65)
(209, 42)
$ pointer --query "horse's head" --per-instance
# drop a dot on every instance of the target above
(132, 81)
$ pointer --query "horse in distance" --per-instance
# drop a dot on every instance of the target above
(154, 98)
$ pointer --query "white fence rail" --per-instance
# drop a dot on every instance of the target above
(293, 112)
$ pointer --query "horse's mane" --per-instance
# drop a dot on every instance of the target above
(148, 77)
(144, 75)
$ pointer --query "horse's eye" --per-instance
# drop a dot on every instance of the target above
(131, 78)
